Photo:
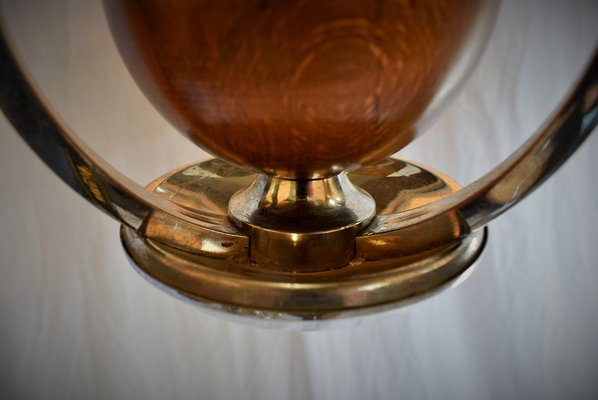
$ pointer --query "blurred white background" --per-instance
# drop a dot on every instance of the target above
(78, 322)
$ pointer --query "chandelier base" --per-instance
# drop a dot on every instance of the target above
(210, 263)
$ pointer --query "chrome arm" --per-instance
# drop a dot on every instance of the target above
(71, 159)
(523, 171)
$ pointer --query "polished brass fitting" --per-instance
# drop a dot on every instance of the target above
(302, 225)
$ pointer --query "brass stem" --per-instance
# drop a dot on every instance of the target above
(307, 225)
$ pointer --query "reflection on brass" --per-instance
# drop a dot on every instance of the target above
(284, 274)
(302, 225)
(359, 289)
(86, 178)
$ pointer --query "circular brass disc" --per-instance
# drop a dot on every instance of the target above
(391, 267)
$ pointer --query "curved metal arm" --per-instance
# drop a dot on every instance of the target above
(73, 161)
(523, 171)
(131, 204)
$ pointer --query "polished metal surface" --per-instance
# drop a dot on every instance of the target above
(303, 225)
(359, 290)
(302, 206)
(387, 269)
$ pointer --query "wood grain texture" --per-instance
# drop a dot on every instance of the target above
(294, 88)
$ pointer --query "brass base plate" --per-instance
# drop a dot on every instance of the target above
(391, 267)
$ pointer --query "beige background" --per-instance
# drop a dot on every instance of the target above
(78, 322)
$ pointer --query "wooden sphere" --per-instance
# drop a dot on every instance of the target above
(300, 89)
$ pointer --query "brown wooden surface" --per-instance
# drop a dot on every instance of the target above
(298, 88)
